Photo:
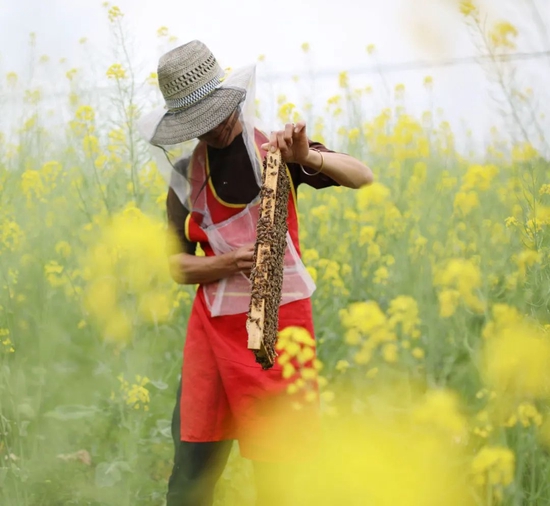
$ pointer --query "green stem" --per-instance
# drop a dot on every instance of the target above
(129, 117)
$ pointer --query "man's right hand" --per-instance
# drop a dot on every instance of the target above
(191, 270)
(242, 259)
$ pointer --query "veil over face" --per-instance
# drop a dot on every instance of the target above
(166, 156)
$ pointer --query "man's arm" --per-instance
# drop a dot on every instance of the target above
(189, 269)
(294, 145)
(344, 169)
(185, 267)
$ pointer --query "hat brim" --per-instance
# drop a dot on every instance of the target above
(175, 127)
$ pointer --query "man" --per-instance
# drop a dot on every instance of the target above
(213, 201)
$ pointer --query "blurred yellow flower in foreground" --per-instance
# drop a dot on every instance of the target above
(441, 409)
(127, 277)
(494, 466)
(368, 460)
(516, 362)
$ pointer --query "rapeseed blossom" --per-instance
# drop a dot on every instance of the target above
(459, 278)
(467, 7)
(135, 395)
(437, 273)
(502, 34)
(5, 340)
(516, 361)
(116, 71)
(297, 357)
(494, 467)
(387, 462)
(127, 278)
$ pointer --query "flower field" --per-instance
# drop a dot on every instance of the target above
(432, 309)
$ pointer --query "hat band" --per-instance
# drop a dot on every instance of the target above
(196, 96)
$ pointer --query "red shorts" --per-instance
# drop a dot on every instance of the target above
(227, 395)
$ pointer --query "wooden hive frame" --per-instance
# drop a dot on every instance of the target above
(268, 262)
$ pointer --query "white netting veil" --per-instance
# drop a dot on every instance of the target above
(200, 101)
(162, 126)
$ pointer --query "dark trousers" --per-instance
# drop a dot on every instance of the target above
(197, 467)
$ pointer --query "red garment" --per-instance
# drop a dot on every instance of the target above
(225, 393)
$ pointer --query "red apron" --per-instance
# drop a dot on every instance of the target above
(225, 393)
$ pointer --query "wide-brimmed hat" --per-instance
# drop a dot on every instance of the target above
(198, 95)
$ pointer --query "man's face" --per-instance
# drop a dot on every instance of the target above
(224, 134)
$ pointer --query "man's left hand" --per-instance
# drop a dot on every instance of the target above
(292, 142)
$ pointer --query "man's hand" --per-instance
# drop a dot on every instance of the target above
(292, 141)
(191, 270)
(242, 259)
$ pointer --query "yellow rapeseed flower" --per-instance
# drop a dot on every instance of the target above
(114, 13)
(11, 78)
(418, 353)
(152, 79)
(85, 113)
(70, 74)
(162, 31)
(116, 71)
(440, 409)
(465, 202)
(11, 235)
(90, 145)
(342, 365)
(494, 466)
(286, 111)
(502, 34)
(390, 352)
(448, 302)
(343, 80)
(516, 362)
(363, 316)
(467, 7)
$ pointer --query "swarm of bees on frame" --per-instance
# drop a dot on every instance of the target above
(267, 274)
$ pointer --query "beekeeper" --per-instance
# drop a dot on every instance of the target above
(212, 201)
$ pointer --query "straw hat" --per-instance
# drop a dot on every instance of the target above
(198, 95)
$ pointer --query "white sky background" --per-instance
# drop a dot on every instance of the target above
(338, 31)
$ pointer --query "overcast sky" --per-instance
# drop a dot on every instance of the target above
(238, 31)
